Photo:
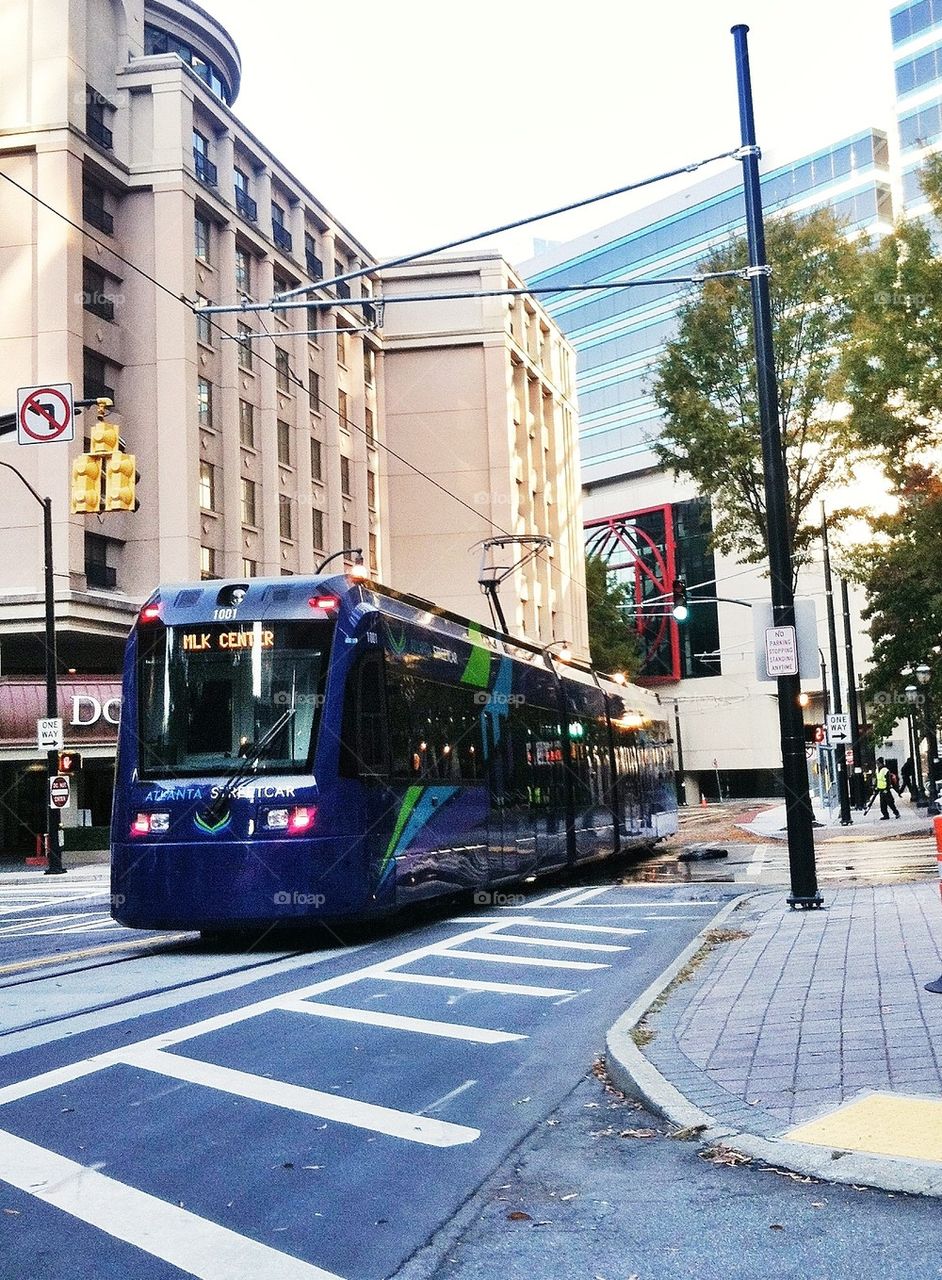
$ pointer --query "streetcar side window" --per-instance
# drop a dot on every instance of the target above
(435, 729)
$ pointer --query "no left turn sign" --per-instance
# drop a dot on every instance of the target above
(45, 414)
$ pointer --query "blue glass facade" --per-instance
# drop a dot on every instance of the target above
(620, 335)
(918, 71)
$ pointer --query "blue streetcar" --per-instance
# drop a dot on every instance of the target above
(323, 749)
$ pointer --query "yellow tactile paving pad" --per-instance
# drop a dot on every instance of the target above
(885, 1124)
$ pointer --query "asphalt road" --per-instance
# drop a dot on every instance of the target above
(169, 1109)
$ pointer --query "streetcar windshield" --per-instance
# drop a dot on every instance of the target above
(212, 698)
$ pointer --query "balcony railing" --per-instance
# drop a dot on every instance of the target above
(205, 169)
(281, 236)
(246, 205)
(99, 305)
(101, 575)
(95, 214)
(99, 132)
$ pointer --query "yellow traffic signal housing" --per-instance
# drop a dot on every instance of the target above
(120, 482)
(85, 493)
(105, 438)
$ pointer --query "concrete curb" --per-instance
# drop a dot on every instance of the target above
(631, 1072)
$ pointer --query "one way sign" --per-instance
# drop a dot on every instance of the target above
(839, 729)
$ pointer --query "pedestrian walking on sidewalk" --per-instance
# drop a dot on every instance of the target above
(884, 784)
(908, 778)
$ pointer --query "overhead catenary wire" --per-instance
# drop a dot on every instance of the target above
(402, 261)
(734, 154)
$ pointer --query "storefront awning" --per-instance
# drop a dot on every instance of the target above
(89, 707)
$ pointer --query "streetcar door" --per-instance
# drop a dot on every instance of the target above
(365, 756)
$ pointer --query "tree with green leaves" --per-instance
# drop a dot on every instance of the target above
(705, 383)
(900, 569)
(612, 643)
(893, 361)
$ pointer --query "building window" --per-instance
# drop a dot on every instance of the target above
(249, 568)
(370, 430)
(247, 424)
(345, 486)
(204, 168)
(342, 406)
(96, 121)
(280, 233)
(93, 207)
(371, 490)
(317, 462)
(248, 502)
(285, 516)
(95, 296)
(313, 391)
(204, 323)
(341, 344)
(374, 562)
(98, 572)
(284, 443)
(342, 287)
(317, 529)
(204, 401)
(282, 370)
(208, 563)
(201, 234)
(244, 340)
(207, 486)
(244, 202)
(315, 268)
(243, 272)
(347, 529)
(369, 360)
(99, 377)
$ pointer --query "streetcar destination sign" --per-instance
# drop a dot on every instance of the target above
(201, 641)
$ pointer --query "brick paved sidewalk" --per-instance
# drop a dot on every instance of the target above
(809, 1009)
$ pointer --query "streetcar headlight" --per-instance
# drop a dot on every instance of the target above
(146, 824)
(300, 818)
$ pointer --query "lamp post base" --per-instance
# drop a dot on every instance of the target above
(805, 904)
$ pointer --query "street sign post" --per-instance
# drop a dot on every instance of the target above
(839, 728)
(60, 791)
(49, 736)
(45, 415)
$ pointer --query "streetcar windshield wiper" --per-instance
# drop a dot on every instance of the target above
(244, 771)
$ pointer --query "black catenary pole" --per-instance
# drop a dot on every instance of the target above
(860, 799)
(840, 753)
(799, 819)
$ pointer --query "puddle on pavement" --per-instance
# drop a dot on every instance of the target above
(665, 867)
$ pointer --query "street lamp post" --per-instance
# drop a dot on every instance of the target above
(912, 698)
(53, 851)
(355, 554)
(924, 675)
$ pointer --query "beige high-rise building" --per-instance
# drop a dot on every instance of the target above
(479, 394)
(131, 195)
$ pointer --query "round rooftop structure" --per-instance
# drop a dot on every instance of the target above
(182, 27)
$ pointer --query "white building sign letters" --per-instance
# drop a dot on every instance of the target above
(781, 651)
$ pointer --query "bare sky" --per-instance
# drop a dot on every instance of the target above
(416, 122)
